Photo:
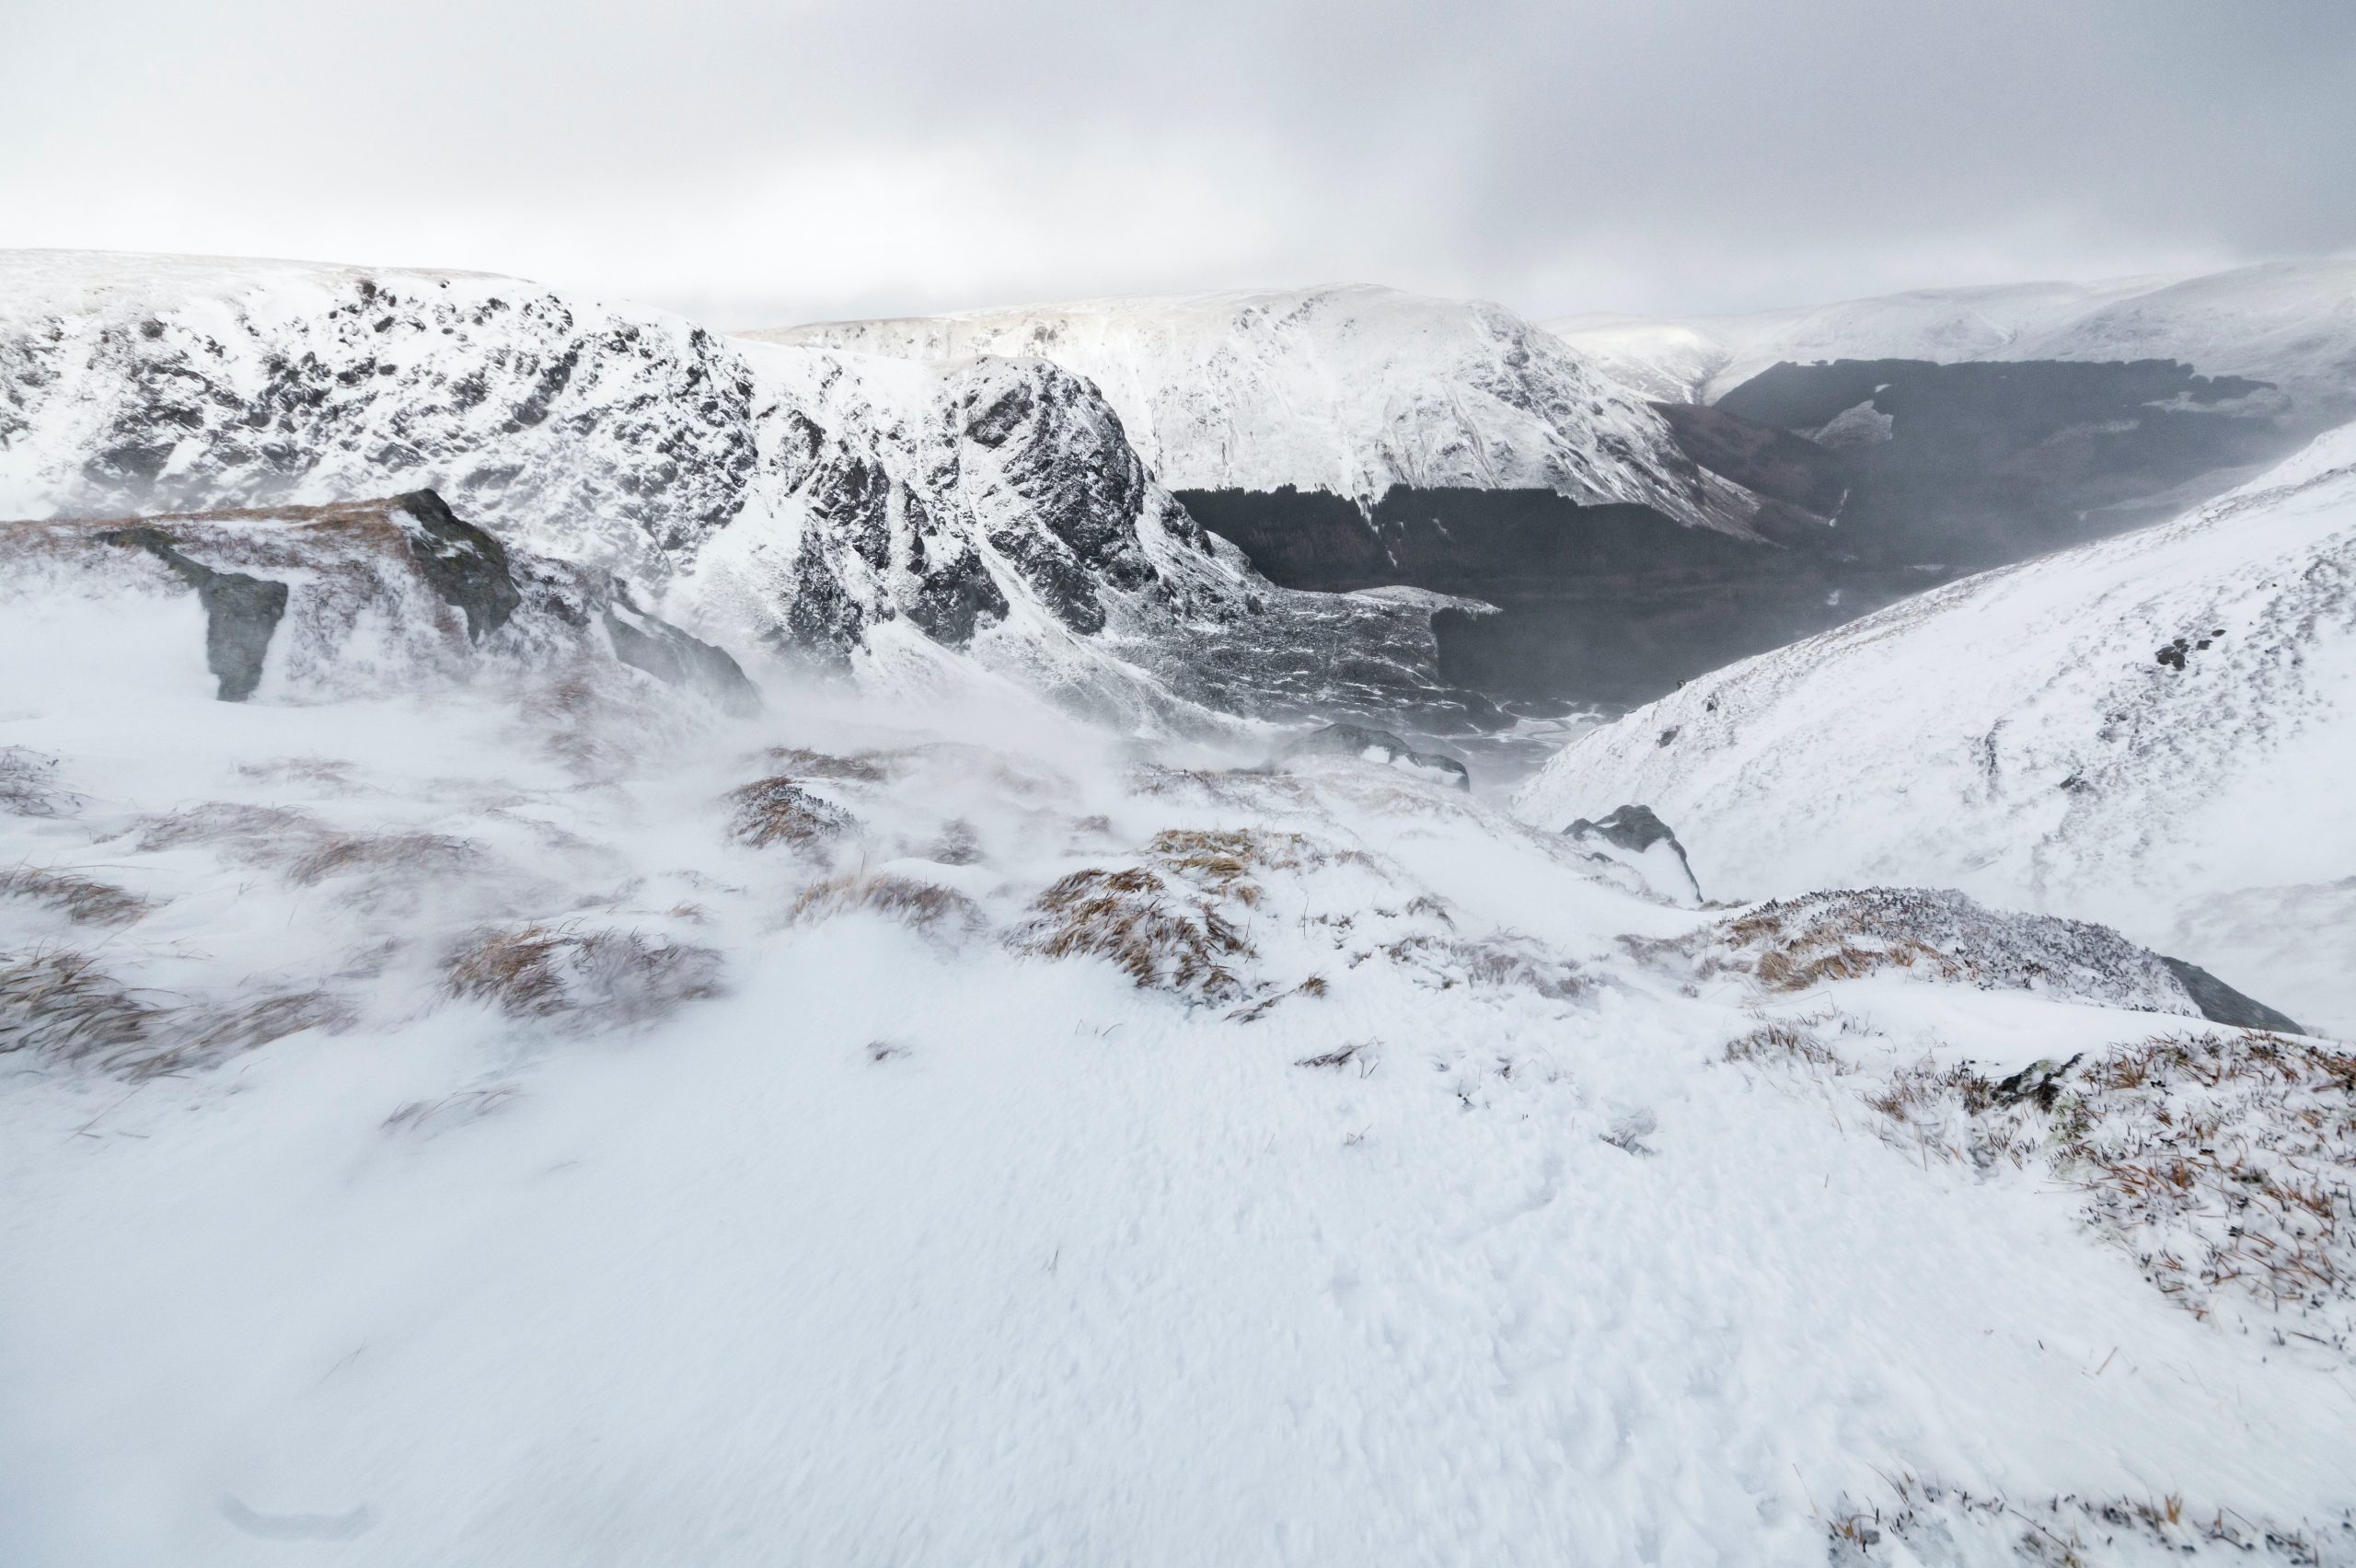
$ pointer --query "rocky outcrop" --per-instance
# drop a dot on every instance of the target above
(1634, 836)
(846, 493)
(310, 603)
(1380, 747)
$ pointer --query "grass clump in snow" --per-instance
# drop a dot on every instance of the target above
(1174, 920)
(1783, 1044)
(609, 978)
(1926, 1521)
(778, 811)
(1162, 933)
(2222, 1162)
(83, 900)
(1799, 944)
(927, 906)
(799, 762)
(28, 784)
(58, 1004)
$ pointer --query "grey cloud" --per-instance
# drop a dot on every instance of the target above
(1711, 154)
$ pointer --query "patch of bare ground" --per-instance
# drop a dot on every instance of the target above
(928, 908)
(778, 811)
(606, 978)
(83, 900)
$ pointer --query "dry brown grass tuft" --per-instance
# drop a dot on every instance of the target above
(271, 1017)
(430, 1117)
(58, 1004)
(798, 762)
(2222, 1162)
(28, 784)
(256, 831)
(927, 906)
(605, 978)
(1499, 962)
(1164, 935)
(345, 854)
(778, 811)
(1782, 1044)
(78, 899)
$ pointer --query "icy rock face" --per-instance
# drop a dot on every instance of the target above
(2153, 731)
(1380, 748)
(1350, 390)
(2290, 323)
(318, 604)
(827, 494)
(1633, 836)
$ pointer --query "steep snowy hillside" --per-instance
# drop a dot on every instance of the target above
(2156, 731)
(500, 1113)
(1349, 390)
(2290, 323)
(798, 500)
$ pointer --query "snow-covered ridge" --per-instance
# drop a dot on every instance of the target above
(2290, 323)
(1348, 389)
(796, 499)
(2152, 731)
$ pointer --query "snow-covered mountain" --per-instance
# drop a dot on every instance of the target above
(1349, 390)
(797, 499)
(2152, 730)
(2290, 323)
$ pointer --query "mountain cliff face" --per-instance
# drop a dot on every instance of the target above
(1349, 390)
(823, 505)
(2150, 731)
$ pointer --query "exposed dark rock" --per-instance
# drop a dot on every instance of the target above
(2220, 1003)
(241, 612)
(1635, 829)
(466, 567)
(1373, 745)
(650, 643)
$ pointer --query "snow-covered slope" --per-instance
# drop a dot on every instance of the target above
(1346, 389)
(497, 1122)
(2156, 731)
(2290, 323)
(794, 499)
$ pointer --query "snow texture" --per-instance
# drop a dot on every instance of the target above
(1347, 389)
(2290, 323)
(532, 1120)
(2155, 732)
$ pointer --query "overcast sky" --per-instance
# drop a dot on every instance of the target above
(761, 163)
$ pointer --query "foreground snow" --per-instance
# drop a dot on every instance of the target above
(2156, 731)
(963, 1137)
